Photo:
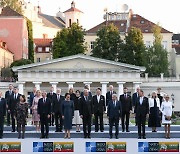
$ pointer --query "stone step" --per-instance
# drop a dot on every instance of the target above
(105, 134)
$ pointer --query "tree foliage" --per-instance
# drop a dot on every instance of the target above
(21, 62)
(69, 41)
(156, 57)
(13, 4)
(30, 40)
(108, 45)
(134, 48)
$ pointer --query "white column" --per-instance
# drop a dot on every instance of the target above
(21, 87)
(104, 88)
(120, 88)
(54, 85)
(37, 85)
(88, 83)
(162, 76)
(136, 85)
(70, 84)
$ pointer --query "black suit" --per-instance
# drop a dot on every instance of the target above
(57, 103)
(141, 111)
(51, 96)
(109, 96)
(7, 97)
(126, 105)
(86, 110)
(99, 108)
(2, 114)
(114, 112)
(12, 107)
(44, 109)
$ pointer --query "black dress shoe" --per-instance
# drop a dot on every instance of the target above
(139, 137)
(127, 130)
(96, 130)
(42, 137)
(116, 137)
(144, 137)
(89, 136)
(47, 136)
(13, 131)
(60, 131)
(123, 130)
(85, 136)
(102, 130)
(56, 130)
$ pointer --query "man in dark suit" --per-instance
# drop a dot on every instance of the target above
(134, 100)
(51, 95)
(141, 111)
(14, 99)
(99, 109)
(109, 94)
(8, 95)
(44, 110)
(31, 98)
(126, 105)
(2, 114)
(114, 112)
(57, 110)
(86, 111)
(89, 92)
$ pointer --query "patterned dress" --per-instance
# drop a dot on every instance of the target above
(21, 113)
(35, 116)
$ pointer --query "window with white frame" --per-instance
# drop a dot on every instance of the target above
(38, 59)
(39, 49)
(47, 49)
(164, 44)
(92, 45)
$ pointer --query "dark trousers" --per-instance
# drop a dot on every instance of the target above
(112, 121)
(13, 120)
(1, 125)
(99, 116)
(8, 117)
(87, 123)
(44, 122)
(58, 121)
(21, 128)
(51, 120)
(141, 120)
(125, 114)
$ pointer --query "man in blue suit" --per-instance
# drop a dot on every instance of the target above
(2, 113)
(114, 113)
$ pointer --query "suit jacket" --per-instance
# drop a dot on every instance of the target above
(99, 106)
(31, 97)
(109, 97)
(134, 98)
(126, 103)
(13, 102)
(8, 96)
(2, 107)
(44, 108)
(90, 94)
(114, 111)
(57, 104)
(86, 107)
(142, 109)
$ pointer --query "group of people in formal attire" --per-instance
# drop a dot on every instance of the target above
(79, 108)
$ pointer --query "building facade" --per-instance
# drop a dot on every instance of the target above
(13, 30)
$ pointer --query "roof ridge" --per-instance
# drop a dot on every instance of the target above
(8, 11)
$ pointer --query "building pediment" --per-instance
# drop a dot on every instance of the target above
(79, 62)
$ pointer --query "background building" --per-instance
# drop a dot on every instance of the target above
(43, 50)
(13, 31)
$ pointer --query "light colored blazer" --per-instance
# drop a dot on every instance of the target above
(151, 102)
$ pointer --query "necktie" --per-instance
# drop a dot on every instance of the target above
(10, 92)
(58, 97)
(44, 100)
(86, 98)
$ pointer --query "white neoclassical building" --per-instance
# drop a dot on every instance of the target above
(77, 71)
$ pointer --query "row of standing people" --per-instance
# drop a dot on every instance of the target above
(98, 110)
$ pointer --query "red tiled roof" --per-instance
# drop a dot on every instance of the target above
(43, 42)
(7, 11)
(120, 24)
(136, 21)
(72, 9)
(144, 24)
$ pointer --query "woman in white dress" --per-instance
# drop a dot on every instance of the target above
(166, 109)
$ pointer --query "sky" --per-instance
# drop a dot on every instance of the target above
(166, 12)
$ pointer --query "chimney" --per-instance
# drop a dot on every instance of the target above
(39, 9)
(73, 4)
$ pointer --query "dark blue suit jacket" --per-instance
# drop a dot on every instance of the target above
(2, 107)
(114, 111)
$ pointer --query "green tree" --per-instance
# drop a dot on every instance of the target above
(21, 62)
(134, 48)
(156, 57)
(69, 41)
(16, 5)
(30, 40)
(108, 44)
